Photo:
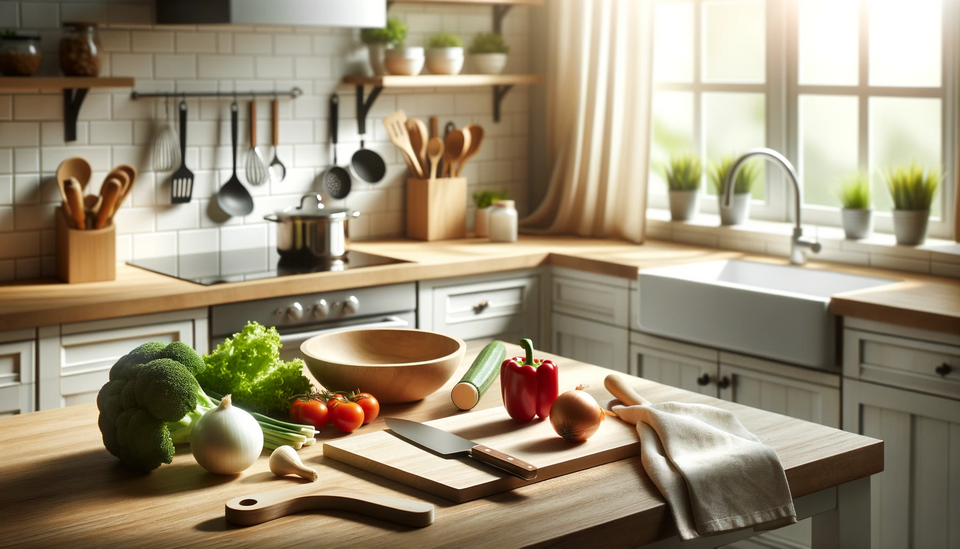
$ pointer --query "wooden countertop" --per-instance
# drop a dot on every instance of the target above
(60, 487)
(919, 301)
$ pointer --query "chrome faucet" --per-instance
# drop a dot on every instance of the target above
(798, 246)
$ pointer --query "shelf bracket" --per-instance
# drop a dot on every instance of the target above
(499, 12)
(72, 101)
(363, 107)
(499, 92)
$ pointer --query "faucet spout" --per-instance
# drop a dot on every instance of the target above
(799, 246)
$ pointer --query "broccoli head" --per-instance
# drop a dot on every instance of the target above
(151, 391)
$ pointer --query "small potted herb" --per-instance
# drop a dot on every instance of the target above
(913, 189)
(378, 40)
(683, 173)
(488, 53)
(445, 54)
(739, 210)
(856, 197)
(484, 201)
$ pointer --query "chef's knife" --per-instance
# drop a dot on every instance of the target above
(449, 445)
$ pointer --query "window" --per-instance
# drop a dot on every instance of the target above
(839, 86)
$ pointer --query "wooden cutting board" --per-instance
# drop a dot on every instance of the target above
(462, 479)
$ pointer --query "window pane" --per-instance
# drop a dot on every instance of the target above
(672, 132)
(733, 123)
(829, 137)
(673, 42)
(903, 130)
(905, 42)
(829, 35)
(734, 41)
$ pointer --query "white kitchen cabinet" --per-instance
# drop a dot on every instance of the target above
(590, 342)
(916, 499)
(673, 363)
(600, 298)
(17, 372)
(75, 359)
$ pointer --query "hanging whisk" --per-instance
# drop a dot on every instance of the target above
(166, 150)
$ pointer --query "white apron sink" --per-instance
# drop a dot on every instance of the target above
(773, 311)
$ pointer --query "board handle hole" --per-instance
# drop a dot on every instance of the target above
(248, 502)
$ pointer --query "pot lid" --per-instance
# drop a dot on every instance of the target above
(312, 207)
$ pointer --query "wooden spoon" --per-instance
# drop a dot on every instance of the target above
(418, 140)
(435, 152)
(131, 177)
(91, 203)
(455, 145)
(476, 139)
(109, 192)
(75, 199)
(76, 168)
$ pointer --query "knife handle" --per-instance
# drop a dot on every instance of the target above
(515, 466)
(259, 508)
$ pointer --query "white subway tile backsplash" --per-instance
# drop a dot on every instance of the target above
(241, 238)
(199, 241)
(40, 15)
(10, 14)
(26, 189)
(292, 44)
(85, 11)
(6, 107)
(6, 219)
(134, 220)
(176, 66)
(6, 189)
(314, 67)
(32, 218)
(178, 217)
(196, 42)
(18, 245)
(20, 134)
(137, 65)
(274, 67)
(28, 268)
(27, 160)
(219, 66)
(152, 41)
(111, 133)
(150, 245)
(97, 157)
(224, 43)
(250, 43)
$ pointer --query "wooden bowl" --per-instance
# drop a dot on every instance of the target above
(391, 364)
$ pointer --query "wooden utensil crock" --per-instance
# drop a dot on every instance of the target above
(436, 208)
(85, 256)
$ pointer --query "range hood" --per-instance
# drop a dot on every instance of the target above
(321, 13)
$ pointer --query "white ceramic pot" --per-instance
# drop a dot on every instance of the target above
(910, 226)
(481, 220)
(857, 224)
(445, 60)
(738, 212)
(684, 205)
(489, 63)
(404, 61)
(376, 53)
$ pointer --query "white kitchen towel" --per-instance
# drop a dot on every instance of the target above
(715, 474)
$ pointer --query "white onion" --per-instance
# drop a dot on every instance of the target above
(226, 440)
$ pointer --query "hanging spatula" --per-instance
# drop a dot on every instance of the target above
(396, 125)
(181, 186)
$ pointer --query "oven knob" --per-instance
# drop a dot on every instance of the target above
(351, 305)
(295, 312)
(321, 309)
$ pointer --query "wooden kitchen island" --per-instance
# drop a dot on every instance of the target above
(60, 487)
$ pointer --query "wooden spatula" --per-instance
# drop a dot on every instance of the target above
(75, 201)
(260, 508)
(418, 140)
(396, 125)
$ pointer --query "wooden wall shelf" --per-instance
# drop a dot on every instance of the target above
(74, 89)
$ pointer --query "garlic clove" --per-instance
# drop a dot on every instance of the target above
(285, 461)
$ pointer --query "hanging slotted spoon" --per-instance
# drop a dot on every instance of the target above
(257, 172)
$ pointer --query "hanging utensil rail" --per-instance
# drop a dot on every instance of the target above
(293, 93)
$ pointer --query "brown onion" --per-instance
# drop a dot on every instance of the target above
(576, 416)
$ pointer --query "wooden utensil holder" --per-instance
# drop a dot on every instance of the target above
(436, 208)
(85, 256)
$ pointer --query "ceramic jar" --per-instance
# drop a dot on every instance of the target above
(503, 222)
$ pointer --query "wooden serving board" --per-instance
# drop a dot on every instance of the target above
(462, 479)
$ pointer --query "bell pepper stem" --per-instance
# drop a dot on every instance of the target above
(527, 345)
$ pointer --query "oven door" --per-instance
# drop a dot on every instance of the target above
(292, 339)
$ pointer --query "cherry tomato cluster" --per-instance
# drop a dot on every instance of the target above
(345, 410)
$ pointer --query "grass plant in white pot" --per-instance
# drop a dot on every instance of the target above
(683, 173)
(739, 210)
(445, 54)
(484, 201)
(488, 53)
(379, 40)
(912, 189)
(856, 197)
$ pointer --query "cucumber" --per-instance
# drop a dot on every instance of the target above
(484, 370)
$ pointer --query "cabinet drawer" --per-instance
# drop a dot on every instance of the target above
(907, 363)
(591, 300)
(485, 309)
(17, 364)
(591, 342)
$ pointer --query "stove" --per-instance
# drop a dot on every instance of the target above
(250, 264)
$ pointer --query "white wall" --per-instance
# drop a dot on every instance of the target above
(115, 129)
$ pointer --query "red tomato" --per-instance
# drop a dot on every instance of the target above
(331, 402)
(295, 410)
(370, 405)
(347, 416)
(315, 413)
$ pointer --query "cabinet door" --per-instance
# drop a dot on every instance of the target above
(916, 499)
(590, 342)
(676, 364)
(500, 309)
(17, 377)
(593, 297)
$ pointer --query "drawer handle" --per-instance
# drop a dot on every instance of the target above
(703, 380)
(943, 369)
(723, 382)
(480, 307)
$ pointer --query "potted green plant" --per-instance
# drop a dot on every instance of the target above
(488, 53)
(913, 189)
(378, 40)
(484, 201)
(445, 54)
(748, 174)
(683, 173)
(856, 197)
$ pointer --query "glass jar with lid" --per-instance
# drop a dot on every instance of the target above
(80, 49)
(20, 55)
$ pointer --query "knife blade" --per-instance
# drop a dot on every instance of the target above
(449, 445)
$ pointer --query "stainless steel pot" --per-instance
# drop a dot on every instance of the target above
(312, 232)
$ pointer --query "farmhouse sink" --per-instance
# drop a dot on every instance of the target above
(773, 311)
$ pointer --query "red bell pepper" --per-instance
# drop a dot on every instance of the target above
(528, 386)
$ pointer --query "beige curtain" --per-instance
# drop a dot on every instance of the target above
(599, 85)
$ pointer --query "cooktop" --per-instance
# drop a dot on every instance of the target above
(250, 264)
